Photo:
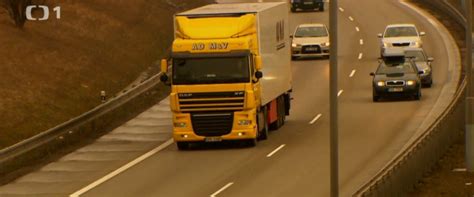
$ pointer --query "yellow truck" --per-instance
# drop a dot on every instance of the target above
(230, 72)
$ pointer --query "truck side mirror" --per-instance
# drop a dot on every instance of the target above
(258, 62)
(258, 74)
(164, 66)
(164, 78)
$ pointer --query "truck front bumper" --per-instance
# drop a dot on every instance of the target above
(184, 131)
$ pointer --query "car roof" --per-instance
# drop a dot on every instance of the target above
(401, 25)
(311, 25)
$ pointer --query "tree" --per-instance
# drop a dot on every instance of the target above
(17, 10)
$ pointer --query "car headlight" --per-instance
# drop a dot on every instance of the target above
(179, 124)
(385, 45)
(411, 82)
(326, 44)
(426, 71)
(415, 44)
(381, 83)
(295, 45)
(244, 122)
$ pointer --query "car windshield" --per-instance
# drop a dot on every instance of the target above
(416, 55)
(211, 70)
(311, 32)
(402, 67)
(400, 32)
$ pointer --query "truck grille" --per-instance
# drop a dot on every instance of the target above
(308, 49)
(401, 44)
(212, 124)
(215, 101)
(395, 83)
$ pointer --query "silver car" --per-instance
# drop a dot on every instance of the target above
(400, 35)
(423, 63)
(310, 40)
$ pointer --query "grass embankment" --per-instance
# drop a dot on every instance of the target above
(52, 71)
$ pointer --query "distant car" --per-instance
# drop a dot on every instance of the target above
(310, 40)
(307, 5)
(396, 75)
(400, 35)
(423, 63)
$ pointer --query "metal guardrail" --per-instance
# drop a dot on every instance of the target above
(99, 120)
(403, 172)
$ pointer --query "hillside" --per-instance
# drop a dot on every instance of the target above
(54, 70)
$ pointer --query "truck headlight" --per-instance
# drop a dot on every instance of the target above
(179, 124)
(381, 83)
(411, 82)
(244, 122)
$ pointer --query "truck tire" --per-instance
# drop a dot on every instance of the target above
(263, 133)
(182, 145)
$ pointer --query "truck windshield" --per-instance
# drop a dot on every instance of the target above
(211, 70)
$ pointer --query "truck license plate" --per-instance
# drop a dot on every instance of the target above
(395, 89)
(213, 139)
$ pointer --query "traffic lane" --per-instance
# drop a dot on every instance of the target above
(359, 172)
(204, 171)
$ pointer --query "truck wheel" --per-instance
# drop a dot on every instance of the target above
(183, 145)
(251, 142)
(262, 134)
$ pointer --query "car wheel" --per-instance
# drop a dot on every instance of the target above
(293, 9)
(375, 98)
(418, 95)
(183, 145)
(321, 8)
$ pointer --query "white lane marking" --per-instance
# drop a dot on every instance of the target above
(459, 170)
(357, 29)
(352, 73)
(276, 150)
(341, 9)
(121, 169)
(222, 189)
(315, 119)
(339, 93)
(360, 55)
(350, 18)
(361, 42)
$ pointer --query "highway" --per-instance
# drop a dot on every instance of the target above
(294, 161)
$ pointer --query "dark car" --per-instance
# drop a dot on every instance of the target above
(307, 5)
(396, 77)
(423, 63)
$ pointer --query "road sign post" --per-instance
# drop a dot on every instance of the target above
(334, 153)
(469, 132)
